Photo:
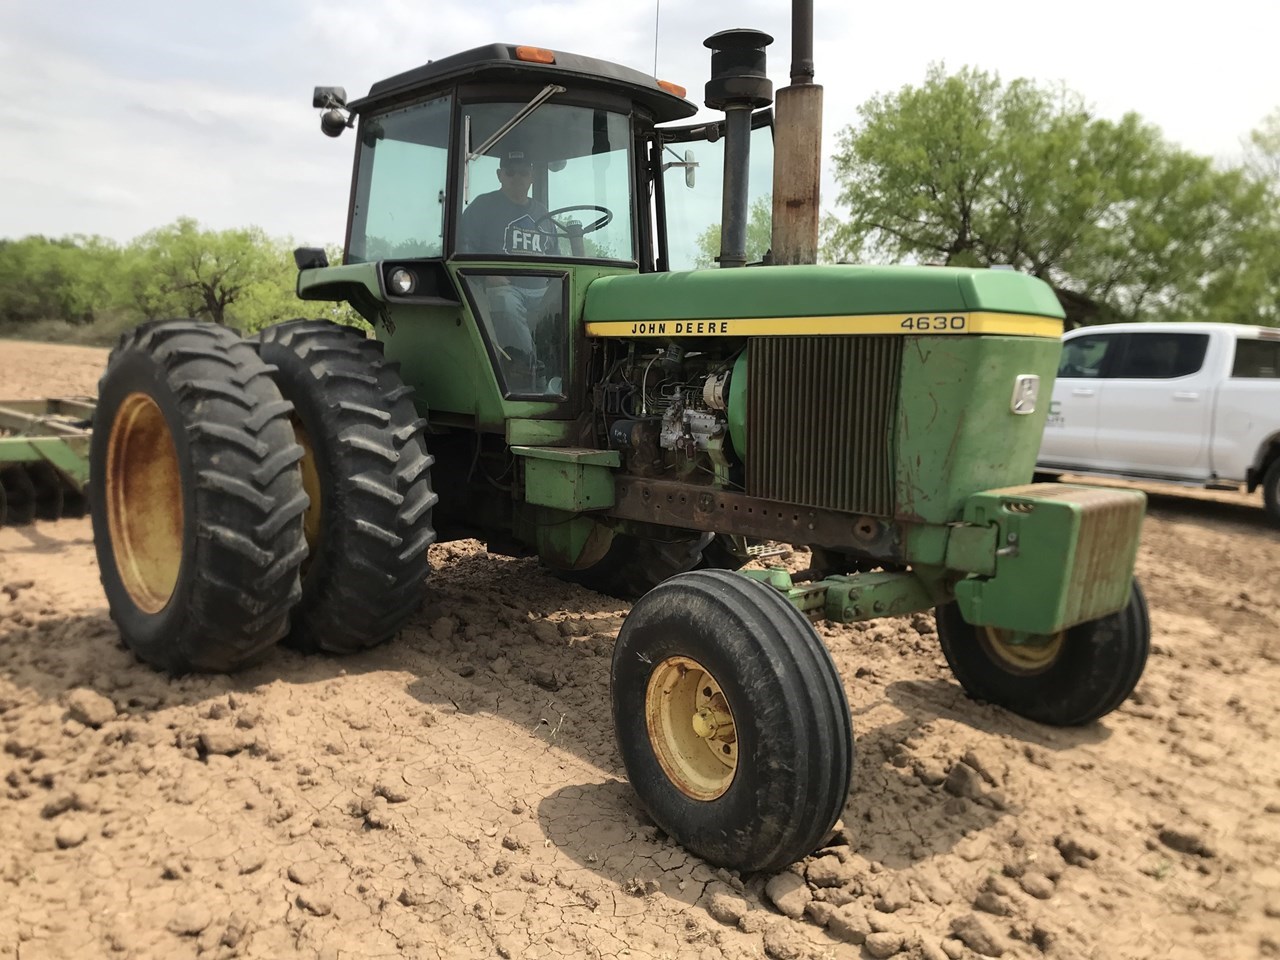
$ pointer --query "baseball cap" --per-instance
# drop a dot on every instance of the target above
(514, 160)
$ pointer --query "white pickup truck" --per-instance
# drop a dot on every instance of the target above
(1191, 403)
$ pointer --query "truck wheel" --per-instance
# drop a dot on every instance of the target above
(1069, 679)
(1271, 490)
(196, 498)
(632, 566)
(366, 469)
(731, 720)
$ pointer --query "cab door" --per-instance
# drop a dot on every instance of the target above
(689, 197)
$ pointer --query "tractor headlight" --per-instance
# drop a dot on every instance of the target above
(402, 281)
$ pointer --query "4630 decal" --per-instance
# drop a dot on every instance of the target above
(950, 324)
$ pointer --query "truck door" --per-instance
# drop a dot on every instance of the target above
(1158, 406)
(1071, 430)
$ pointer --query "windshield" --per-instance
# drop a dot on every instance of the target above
(558, 185)
(400, 184)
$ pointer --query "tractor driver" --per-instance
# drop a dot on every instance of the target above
(506, 221)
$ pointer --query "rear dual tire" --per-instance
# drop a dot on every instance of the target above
(196, 498)
(367, 473)
(216, 529)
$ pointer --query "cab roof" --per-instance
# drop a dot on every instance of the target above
(498, 62)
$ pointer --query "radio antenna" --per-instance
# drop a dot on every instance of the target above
(657, 5)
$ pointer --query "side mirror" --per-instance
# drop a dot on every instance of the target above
(310, 258)
(689, 166)
(329, 97)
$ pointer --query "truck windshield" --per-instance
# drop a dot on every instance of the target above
(401, 176)
(557, 186)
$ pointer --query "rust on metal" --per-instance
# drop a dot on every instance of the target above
(695, 507)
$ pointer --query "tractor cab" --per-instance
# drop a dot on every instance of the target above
(493, 186)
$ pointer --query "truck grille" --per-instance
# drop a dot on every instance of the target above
(820, 421)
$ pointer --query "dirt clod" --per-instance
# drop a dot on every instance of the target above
(71, 833)
(789, 893)
(1076, 849)
(1186, 840)
(90, 707)
(190, 919)
(980, 935)
(881, 945)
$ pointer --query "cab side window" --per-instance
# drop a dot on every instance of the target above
(1160, 356)
(1089, 357)
(1257, 359)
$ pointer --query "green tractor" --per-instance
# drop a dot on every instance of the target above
(547, 376)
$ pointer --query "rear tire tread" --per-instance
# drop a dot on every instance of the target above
(365, 578)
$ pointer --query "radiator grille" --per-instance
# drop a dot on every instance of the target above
(820, 421)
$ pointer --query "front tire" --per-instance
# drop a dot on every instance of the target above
(1067, 680)
(196, 498)
(367, 471)
(731, 720)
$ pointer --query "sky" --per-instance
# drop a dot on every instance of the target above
(116, 118)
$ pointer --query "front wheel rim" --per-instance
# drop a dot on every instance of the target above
(691, 728)
(1032, 655)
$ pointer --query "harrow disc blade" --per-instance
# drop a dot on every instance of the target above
(49, 490)
(20, 495)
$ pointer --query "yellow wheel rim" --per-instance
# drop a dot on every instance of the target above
(1033, 656)
(310, 484)
(691, 728)
(143, 490)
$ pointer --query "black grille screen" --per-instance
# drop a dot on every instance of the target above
(820, 421)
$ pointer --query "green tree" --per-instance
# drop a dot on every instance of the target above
(185, 270)
(965, 170)
(66, 279)
(1263, 150)
(759, 235)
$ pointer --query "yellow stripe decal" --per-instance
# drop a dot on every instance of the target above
(904, 324)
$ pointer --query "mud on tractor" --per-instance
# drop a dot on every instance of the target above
(547, 377)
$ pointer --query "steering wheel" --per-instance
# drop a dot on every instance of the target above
(576, 231)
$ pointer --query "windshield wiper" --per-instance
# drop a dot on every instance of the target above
(545, 94)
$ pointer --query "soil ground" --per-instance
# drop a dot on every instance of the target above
(457, 792)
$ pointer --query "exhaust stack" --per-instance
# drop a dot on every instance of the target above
(797, 149)
(737, 86)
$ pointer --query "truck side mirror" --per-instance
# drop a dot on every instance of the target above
(689, 166)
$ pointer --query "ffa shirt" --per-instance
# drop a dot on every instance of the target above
(492, 223)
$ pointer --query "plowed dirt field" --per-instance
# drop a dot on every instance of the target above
(457, 792)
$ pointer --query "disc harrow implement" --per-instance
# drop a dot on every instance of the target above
(44, 458)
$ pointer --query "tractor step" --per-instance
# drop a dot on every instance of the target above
(44, 458)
